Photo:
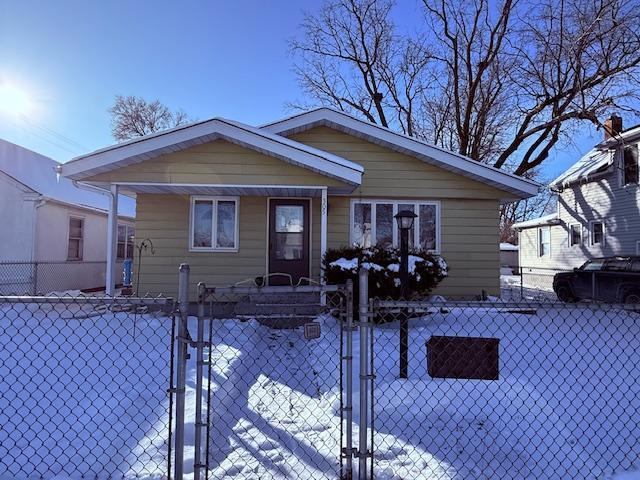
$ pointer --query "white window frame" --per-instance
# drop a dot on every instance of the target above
(127, 240)
(579, 244)
(214, 223)
(540, 254)
(604, 232)
(81, 246)
(395, 202)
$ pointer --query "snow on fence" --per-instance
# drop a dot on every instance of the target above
(83, 387)
(566, 403)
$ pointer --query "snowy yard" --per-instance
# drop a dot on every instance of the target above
(566, 405)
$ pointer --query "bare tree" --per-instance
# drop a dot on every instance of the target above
(133, 116)
(502, 83)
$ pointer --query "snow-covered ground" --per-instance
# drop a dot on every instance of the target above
(566, 405)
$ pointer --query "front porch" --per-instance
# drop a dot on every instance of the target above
(228, 233)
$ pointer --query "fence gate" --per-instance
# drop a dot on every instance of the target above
(271, 364)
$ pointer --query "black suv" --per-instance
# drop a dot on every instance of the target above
(612, 279)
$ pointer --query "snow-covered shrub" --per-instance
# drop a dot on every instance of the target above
(426, 270)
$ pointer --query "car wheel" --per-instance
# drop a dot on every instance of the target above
(632, 298)
(564, 294)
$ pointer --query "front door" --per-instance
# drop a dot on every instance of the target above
(288, 240)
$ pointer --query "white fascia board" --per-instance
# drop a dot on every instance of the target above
(551, 219)
(158, 144)
(383, 136)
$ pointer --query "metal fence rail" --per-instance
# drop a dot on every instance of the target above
(506, 390)
(83, 387)
(278, 360)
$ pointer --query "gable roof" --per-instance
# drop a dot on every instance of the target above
(179, 138)
(328, 117)
(38, 173)
(594, 162)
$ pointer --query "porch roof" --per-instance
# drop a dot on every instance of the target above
(180, 138)
(132, 188)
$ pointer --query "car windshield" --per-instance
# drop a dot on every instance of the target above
(592, 265)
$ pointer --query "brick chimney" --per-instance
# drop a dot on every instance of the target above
(612, 126)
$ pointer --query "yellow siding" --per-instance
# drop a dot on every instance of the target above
(218, 162)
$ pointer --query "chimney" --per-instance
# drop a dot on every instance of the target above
(612, 126)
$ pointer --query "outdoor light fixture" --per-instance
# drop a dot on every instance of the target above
(405, 219)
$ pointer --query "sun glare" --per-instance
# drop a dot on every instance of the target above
(14, 100)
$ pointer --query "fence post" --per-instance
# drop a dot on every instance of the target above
(35, 278)
(181, 370)
(199, 424)
(363, 304)
(521, 283)
(349, 380)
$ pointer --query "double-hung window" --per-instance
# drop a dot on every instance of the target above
(575, 234)
(214, 224)
(372, 223)
(544, 241)
(597, 233)
(126, 234)
(76, 238)
(630, 165)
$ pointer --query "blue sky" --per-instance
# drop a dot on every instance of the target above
(210, 58)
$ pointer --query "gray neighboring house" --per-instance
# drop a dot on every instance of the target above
(598, 210)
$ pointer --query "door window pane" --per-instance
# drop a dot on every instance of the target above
(427, 225)
(226, 228)
(362, 224)
(289, 218)
(289, 246)
(384, 224)
(202, 223)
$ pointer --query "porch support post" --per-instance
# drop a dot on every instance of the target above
(324, 207)
(112, 241)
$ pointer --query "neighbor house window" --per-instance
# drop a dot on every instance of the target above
(597, 233)
(630, 165)
(544, 241)
(214, 224)
(372, 223)
(575, 234)
(76, 237)
(126, 234)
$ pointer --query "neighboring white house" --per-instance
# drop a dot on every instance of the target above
(598, 210)
(53, 234)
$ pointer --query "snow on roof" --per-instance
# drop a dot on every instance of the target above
(593, 162)
(551, 219)
(39, 174)
(510, 247)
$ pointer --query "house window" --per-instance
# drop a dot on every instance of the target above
(597, 233)
(575, 234)
(126, 234)
(372, 223)
(630, 165)
(76, 237)
(544, 241)
(214, 224)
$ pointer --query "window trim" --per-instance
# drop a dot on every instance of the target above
(637, 247)
(395, 203)
(81, 239)
(126, 241)
(214, 223)
(623, 175)
(604, 232)
(579, 244)
(540, 229)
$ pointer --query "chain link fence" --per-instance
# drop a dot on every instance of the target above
(45, 277)
(83, 387)
(529, 284)
(505, 390)
(275, 399)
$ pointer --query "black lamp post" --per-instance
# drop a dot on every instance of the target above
(405, 220)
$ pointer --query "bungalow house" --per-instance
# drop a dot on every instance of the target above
(237, 202)
(53, 235)
(598, 209)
